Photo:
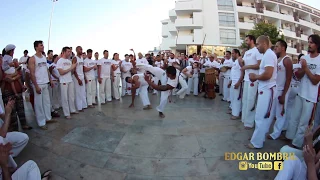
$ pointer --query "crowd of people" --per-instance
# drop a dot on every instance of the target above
(262, 84)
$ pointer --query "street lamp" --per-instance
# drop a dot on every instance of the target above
(53, 2)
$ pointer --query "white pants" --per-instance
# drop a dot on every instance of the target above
(290, 105)
(193, 84)
(235, 102)
(297, 152)
(42, 105)
(91, 92)
(226, 90)
(116, 87)
(55, 95)
(28, 171)
(18, 141)
(221, 83)
(105, 90)
(299, 120)
(248, 102)
(67, 98)
(293, 170)
(317, 118)
(80, 94)
(144, 95)
(281, 118)
(163, 100)
(125, 86)
(263, 123)
(184, 87)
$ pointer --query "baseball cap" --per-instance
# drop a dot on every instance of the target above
(9, 47)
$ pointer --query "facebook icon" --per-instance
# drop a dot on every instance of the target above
(277, 165)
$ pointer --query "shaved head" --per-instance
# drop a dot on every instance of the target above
(264, 39)
(263, 43)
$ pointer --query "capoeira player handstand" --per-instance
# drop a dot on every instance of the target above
(138, 82)
(165, 89)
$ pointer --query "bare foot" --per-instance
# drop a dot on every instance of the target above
(68, 117)
(269, 137)
(147, 108)
(91, 106)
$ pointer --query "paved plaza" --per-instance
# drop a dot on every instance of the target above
(114, 142)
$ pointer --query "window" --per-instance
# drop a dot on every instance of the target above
(227, 36)
(226, 5)
(226, 19)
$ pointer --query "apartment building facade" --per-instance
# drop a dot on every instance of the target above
(220, 25)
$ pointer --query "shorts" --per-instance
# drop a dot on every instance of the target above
(10, 71)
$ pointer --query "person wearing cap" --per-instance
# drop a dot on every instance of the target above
(8, 66)
(9, 93)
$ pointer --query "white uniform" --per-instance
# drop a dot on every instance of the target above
(42, 105)
(105, 74)
(193, 82)
(264, 113)
(55, 94)
(226, 90)
(141, 61)
(91, 85)
(166, 94)
(127, 66)
(292, 95)
(143, 89)
(279, 109)
(117, 77)
(67, 87)
(221, 81)
(171, 61)
(184, 86)
(251, 57)
(80, 91)
(304, 104)
(293, 170)
(157, 72)
(235, 93)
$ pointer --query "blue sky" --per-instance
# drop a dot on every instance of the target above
(115, 25)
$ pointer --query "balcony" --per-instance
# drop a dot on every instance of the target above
(272, 14)
(185, 40)
(246, 9)
(172, 43)
(188, 6)
(172, 15)
(309, 24)
(165, 32)
(289, 33)
(304, 37)
(188, 23)
(245, 25)
(172, 28)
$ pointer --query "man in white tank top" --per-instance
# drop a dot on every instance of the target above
(228, 65)
(266, 88)
(305, 102)
(88, 68)
(236, 96)
(138, 81)
(284, 76)
(105, 74)
(252, 59)
(65, 66)
(79, 81)
(40, 77)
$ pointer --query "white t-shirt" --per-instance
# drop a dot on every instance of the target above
(251, 57)
(307, 90)
(141, 61)
(171, 61)
(79, 68)
(203, 61)
(54, 71)
(295, 81)
(89, 63)
(189, 70)
(116, 64)
(159, 64)
(269, 59)
(6, 61)
(157, 72)
(64, 64)
(96, 71)
(105, 67)
(127, 66)
(227, 63)
(212, 64)
(174, 82)
(41, 70)
(23, 59)
(235, 72)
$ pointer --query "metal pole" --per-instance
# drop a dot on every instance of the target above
(53, 2)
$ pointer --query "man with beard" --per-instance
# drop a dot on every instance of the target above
(305, 102)
(284, 76)
(88, 68)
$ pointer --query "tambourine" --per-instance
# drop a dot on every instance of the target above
(223, 69)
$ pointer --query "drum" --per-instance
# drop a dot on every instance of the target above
(223, 69)
(210, 80)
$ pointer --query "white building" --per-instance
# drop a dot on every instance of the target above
(219, 25)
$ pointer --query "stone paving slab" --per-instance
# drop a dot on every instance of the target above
(94, 139)
(139, 177)
(158, 167)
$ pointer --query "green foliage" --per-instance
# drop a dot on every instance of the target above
(265, 29)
